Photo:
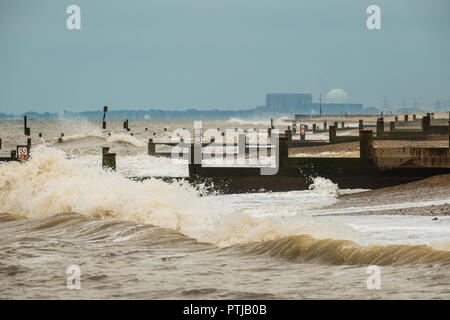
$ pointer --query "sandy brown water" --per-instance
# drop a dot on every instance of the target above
(152, 240)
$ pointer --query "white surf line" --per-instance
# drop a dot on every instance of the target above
(382, 207)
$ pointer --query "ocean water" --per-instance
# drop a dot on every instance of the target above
(159, 240)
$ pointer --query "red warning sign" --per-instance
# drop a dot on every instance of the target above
(22, 153)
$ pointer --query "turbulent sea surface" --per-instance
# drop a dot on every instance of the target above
(159, 240)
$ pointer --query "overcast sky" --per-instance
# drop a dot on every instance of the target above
(225, 54)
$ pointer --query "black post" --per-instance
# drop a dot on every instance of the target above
(151, 147)
(105, 110)
(332, 134)
(380, 127)
(361, 125)
(365, 144)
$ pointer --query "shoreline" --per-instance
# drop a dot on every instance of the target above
(429, 189)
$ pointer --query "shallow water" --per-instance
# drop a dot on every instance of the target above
(154, 240)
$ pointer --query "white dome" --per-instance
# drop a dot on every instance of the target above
(337, 96)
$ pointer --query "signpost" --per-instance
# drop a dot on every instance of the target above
(22, 153)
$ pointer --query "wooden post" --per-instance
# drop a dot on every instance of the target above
(361, 125)
(272, 127)
(194, 169)
(105, 150)
(151, 147)
(396, 118)
(365, 144)
(314, 127)
(29, 142)
(25, 127)
(332, 134)
(414, 117)
(283, 151)
(391, 126)
(406, 118)
(0, 144)
(325, 125)
(105, 110)
(380, 127)
(288, 134)
(109, 161)
(426, 124)
(342, 125)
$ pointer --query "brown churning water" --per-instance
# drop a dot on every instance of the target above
(155, 240)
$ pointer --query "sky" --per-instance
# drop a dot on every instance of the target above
(224, 54)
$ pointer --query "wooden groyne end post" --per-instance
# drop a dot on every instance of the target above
(151, 147)
(391, 126)
(380, 127)
(365, 144)
(332, 134)
(105, 110)
(361, 124)
(108, 160)
(25, 127)
(426, 124)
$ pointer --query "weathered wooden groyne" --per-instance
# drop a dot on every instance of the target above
(375, 167)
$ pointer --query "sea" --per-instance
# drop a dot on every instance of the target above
(70, 229)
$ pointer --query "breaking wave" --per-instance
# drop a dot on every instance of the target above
(114, 138)
(306, 248)
(49, 184)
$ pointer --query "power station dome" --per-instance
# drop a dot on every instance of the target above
(337, 96)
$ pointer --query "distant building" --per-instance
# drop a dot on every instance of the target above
(286, 102)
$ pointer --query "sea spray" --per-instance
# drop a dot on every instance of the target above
(126, 139)
(50, 183)
(323, 185)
